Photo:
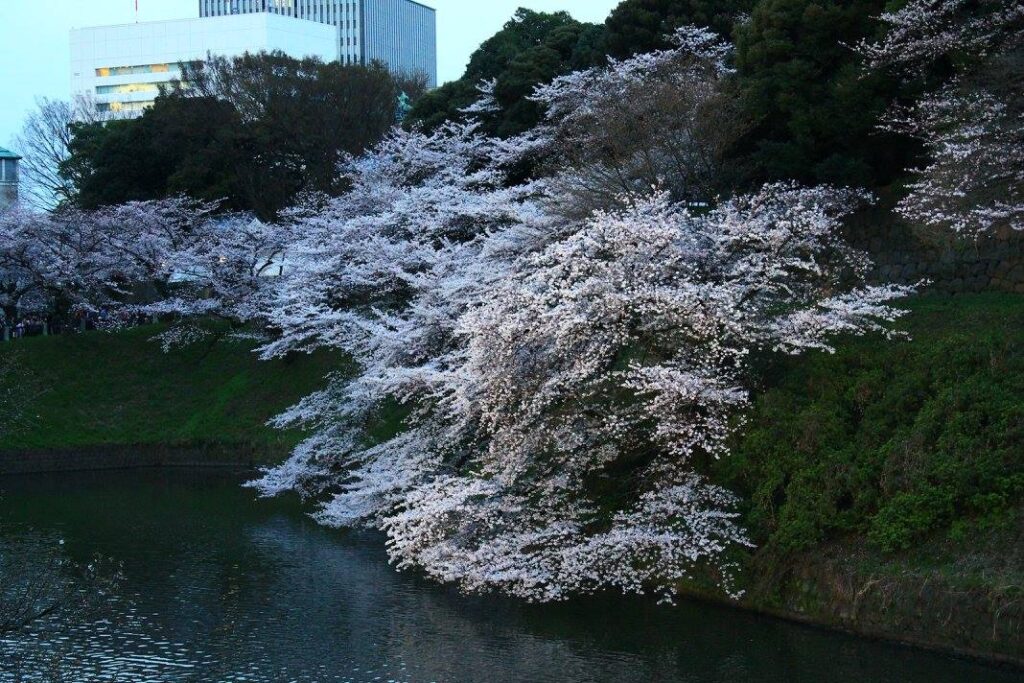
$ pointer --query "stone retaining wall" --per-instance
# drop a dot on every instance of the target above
(953, 266)
(125, 457)
(910, 603)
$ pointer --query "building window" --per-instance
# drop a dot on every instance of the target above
(106, 72)
(9, 170)
(126, 88)
(118, 107)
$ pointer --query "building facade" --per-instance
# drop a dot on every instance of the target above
(123, 68)
(400, 33)
(8, 179)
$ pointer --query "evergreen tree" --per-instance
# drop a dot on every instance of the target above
(637, 26)
(532, 49)
(815, 111)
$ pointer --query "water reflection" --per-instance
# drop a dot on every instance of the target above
(222, 587)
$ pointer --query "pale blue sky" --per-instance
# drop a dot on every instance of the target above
(34, 38)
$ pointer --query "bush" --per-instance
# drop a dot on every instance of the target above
(892, 440)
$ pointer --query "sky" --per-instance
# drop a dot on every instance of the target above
(34, 38)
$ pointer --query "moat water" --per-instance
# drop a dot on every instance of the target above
(220, 586)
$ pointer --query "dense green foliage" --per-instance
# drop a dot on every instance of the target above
(814, 109)
(535, 47)
(254, 130)
(532, 48)
(119, 389)
(182, 145)
(637, 26)
(895, 441)
(811, 111)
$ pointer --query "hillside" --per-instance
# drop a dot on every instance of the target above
(119, 389)
(886, 482)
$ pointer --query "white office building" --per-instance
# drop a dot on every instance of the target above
(122, 68)
(400, 33)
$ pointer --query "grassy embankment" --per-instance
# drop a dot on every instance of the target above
(120, 390)
(885, 483)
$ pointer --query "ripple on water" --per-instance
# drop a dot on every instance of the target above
(222, 588)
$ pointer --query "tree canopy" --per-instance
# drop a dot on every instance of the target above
(637, 26)
(531, 49)
(816, 111)
(255, 130)
(811, 108)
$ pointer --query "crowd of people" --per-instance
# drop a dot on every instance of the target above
(81, 321)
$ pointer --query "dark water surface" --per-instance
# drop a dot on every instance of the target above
(223, 587)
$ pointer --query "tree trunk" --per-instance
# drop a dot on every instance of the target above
(10, 315)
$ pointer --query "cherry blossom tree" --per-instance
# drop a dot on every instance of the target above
(224, 270)
(657, 119)
(20, 288)
(53, 263)
(537, 385)
(558, 381)
(923, 31)
(74, 261)
(147, 236)
(974, 181)
(972, 125)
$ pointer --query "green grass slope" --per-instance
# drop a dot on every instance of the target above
(119, 389)
(892, 439)
(884, 484)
